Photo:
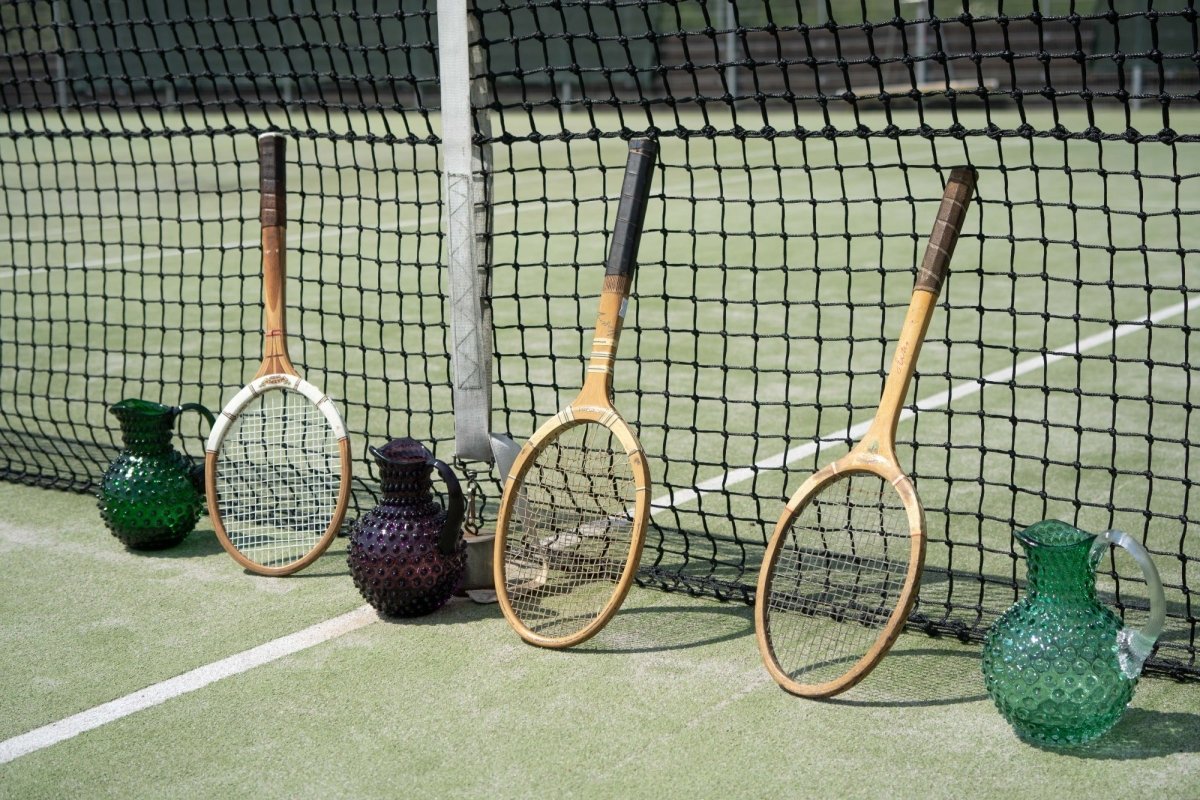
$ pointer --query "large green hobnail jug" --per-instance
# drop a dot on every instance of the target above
(151, 495)
(1061, 667)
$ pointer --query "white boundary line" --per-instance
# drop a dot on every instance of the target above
(152, 252)
(733, 477)
(149, 252)
(198, 678)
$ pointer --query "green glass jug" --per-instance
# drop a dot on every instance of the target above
(151, 495)
(1061, 667)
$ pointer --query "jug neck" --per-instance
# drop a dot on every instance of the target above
(407, 484)
(146, 427)
(405, 471)
(148, 443)
(1058, 557)
(1061, 573)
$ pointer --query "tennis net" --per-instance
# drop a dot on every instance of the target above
(803, 149)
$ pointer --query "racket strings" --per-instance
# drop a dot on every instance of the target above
(837, 578)
(278, 478)
(571, 530)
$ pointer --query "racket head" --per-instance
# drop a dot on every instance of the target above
(571, 526)
(840, 575)
(277, 474)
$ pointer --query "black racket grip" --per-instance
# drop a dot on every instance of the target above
(959, 190)
(272, 179)
(631, 212)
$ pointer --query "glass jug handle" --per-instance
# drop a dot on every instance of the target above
(1133, 645)
(208, 415)
(456, 509)
(197, 473)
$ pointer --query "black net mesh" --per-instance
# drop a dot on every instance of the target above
(803, 149)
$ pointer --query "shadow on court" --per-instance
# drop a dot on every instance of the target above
(920, 674)
(197, 544)
(457, 611)
(1142, 733)
(203, 543)
(660, 628)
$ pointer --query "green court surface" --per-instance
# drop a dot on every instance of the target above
(669, 701)
(765, 303)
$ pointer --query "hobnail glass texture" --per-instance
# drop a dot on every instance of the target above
(1050, 662)
(148, 496)
(393, 554)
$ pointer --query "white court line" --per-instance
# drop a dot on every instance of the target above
(715, 484)
(198, 678)
(163, 252)
(329, 231)
(271, 651)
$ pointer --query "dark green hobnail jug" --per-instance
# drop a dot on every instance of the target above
(151, 495)
(1061, 667)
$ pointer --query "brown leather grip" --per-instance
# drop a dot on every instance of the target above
(272, 183)
(959, 190)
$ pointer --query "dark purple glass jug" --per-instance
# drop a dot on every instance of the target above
(407, 555)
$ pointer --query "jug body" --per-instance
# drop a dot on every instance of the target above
(151, 496)
(407, 555)
(1057, 663)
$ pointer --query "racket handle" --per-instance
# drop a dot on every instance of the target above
(272, 184)
(959, 189)
(631, 213)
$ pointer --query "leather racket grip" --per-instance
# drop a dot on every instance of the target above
(959, 190)
(631, 212)
(272, 184)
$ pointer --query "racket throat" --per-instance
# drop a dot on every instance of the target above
(597, 384)
(275, 354)
(881, 436)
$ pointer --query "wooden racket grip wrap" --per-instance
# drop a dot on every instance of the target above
(880, 439)
(272, 180)
(272, 188)
(959, 189)
(631, 211)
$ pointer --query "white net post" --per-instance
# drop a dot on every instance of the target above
(466, 170)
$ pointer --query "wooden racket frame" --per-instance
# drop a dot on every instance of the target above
(592, 405)
(875, 454)
(276, 372)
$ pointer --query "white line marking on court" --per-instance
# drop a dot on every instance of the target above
(198, 678)
(150, 252)
(778, 461)
(330, 230)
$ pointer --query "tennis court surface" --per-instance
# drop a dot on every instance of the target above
(453, 177)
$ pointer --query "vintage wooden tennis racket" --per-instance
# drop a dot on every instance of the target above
(576, 503)
(840, 574)
(277, 466)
